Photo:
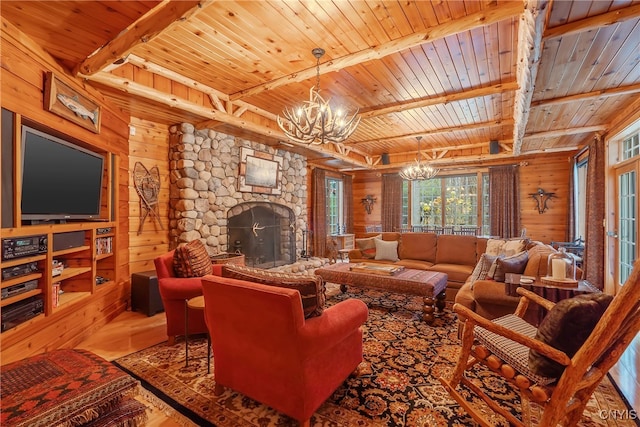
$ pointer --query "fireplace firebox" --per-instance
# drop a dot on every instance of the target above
(264, 232)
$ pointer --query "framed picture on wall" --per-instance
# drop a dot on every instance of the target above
(259, 172)
(61, 99)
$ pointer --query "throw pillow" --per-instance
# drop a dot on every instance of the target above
(514, 246)
(494, 247)
(192, 260)
(511, 264)
(311, 288)
(368, 246)
(386, 251)
(566, 327)
(482, 268)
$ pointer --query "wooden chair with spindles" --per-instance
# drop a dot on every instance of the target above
(549, 365)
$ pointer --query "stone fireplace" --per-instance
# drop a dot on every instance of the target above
(205, 201)
(264, 232)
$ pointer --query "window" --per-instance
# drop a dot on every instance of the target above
(335, 206)
(631, 147)
(449, 201)
(580, 196)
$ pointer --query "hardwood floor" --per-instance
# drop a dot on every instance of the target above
(132, 331)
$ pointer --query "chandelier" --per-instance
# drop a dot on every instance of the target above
(418, 172)
(314, 122)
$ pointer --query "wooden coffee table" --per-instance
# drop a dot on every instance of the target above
(428, 284)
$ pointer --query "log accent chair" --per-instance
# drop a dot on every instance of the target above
(504, 346)
(265, 348)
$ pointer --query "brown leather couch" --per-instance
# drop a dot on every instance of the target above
(455, 255)
(489, 298)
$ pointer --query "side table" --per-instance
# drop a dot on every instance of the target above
(145, 295)
(196, 303)
(548, 292)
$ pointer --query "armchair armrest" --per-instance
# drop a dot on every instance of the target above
(471, 319)
(525, 297)
(180, 288)
(336, 323)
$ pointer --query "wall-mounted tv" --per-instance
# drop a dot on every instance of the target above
(60, 180)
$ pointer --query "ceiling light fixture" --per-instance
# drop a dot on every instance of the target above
(314, 122)
(418, 172)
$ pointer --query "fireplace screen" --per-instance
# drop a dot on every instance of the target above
(264, 232)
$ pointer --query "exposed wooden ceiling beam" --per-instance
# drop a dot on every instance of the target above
(483, 18)
(530, 31)
(616, 91)
(159, 19)
(473, 126)
(594, 22)
(562, 132)
(137, 89)
(435, 100)
(217, 97)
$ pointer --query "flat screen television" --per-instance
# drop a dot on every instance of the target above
(60, 180)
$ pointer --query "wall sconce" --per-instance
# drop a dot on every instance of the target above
(541, 198)
(368, 202)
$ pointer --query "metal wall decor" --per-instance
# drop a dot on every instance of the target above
(368, 202)
(542, 197)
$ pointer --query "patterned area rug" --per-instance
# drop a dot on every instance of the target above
(398, 385)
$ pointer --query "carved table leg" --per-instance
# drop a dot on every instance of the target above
(428, 309)
(440, 301)
(430, 305)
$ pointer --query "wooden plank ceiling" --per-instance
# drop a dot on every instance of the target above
(534, 76)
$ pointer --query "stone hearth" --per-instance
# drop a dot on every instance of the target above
(204, 177)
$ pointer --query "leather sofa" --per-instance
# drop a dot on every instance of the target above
(489, 298)
(455, 255)
(265, 348)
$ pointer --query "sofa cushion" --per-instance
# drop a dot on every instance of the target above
(367, 246)
(311, 288)
(456, 273)
(511, 264)
(386, 250)
(537, 264)
(420, 246)
(482, 268)
(566, 327)
(506, 247)
(192, 260)
(456, 249)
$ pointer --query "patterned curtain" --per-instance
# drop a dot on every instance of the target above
(504, 201)
(318, 212)
(347, 182)
(593, 263)
(391, 202)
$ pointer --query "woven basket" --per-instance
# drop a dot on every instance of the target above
(227, 258)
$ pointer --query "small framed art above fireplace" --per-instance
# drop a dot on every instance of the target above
(259, 172)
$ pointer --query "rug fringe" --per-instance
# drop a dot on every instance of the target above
(165, 408)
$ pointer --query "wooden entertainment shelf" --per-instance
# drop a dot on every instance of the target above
(84, 266)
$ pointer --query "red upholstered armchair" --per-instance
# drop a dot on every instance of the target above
(264, 348)
(174, 291)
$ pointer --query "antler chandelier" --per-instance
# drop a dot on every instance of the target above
(418, 172)
(314, 122)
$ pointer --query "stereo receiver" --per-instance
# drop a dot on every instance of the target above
(18, 247)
